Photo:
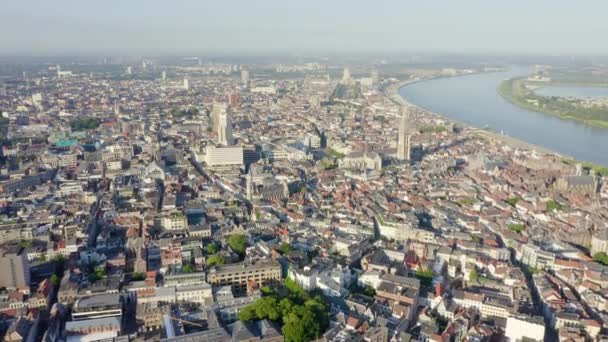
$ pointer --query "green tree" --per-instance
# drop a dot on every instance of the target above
(517, 227)
(553, 205)
(285, 306)
(215, 260)
(188, 268)
(284, 248)
(601, 257)
(238, 243)
(425, 276)
(248, 313)
(267, 307)
(298, 294)
(137, 276)
(513, 201)
(300, 325)
(211, 248)
(82, 124)
(473, 275)
(319, 310)
(54, 279)
(303, 316)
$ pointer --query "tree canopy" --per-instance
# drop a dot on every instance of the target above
(238, 243)
(188, 268)
(304, 317)
(211, 248)
(601, 257)
(215, 259)
(82, 124)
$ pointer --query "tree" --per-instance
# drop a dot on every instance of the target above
(238, 243)
(212, 248)
(473, 275)
(304, 316)
(137, 276)
(601, 257)
(425, 276)
(300, 325)
(215, 260)
(284, 248)
(54, 279)
(188, 268)
(267, 307)
(296, 293)
(82, 124)
(25, 243)
(517, 227)
(553, 205)
(248, 313)
(513, 201)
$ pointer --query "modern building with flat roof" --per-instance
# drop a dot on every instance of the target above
(238, 275)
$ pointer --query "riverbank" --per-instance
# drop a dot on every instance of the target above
(394, 93)
(511, 90)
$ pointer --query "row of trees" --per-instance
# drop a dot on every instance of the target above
(82, 124)
(184, 113)
(302, 315)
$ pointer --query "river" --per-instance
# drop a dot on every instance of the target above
(473, 99)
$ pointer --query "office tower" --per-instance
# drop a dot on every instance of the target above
(234, 100)
(315, 102)
(249, 181)
(375, 76)
(224, 130)
(164, 75)
(217, 110)
(129, 70)
(245, 77)
(37, 100)
(58, 68)
(186, 84)
(346, 78)
(116, 108)
(14, 268)
(404, 139)
(2, 89)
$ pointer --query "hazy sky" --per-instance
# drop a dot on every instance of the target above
(163, 26)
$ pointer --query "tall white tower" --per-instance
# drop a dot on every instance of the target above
(245, 77)
(405, 138)
(186, 84)
(249, 181)
(346, 78)
(224, 130)
(217, 110)
(116, 108)
(164, 75)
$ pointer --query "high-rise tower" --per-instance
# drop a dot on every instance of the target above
(249, 181)
(245, 75)
(405, 137)
(224, 130)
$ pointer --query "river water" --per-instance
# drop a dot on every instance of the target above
(473, 99)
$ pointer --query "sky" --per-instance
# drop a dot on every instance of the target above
(299, 26)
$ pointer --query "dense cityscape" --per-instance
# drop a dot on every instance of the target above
(216, 202)
(295, 171)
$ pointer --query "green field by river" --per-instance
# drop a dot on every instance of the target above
(518, 92)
